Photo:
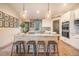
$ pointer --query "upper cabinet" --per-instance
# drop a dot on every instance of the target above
(76, 13)
(46, 23)
(66, 17)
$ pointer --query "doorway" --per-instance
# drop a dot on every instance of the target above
(56, 26)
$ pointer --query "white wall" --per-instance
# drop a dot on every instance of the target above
(8, 9)
(7, 34)
(74, 38)
(46, 23)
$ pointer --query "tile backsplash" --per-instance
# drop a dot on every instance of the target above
(46, 28)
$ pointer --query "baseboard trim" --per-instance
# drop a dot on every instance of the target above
(70, 46)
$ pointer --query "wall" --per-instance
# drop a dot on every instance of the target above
(7, 34)
(74, 38)
(7, 8)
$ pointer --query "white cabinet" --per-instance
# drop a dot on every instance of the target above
(76, 13)
(46, 23)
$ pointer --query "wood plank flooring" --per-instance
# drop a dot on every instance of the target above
(63, 48)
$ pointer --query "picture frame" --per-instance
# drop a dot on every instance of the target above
(14, 19)
(6, 23)
(11, 25)
(6, 17)
(1, 23)
(11, 19)
(15, 24)
(1, 19)
(1, 14)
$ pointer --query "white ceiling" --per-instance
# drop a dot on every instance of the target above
(56, 9)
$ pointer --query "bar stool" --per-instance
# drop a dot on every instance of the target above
(52, 45)
(31, 45)
(19, 47)
(41, 48)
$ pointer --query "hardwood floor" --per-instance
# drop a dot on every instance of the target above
(6, 51)
(63, 48)
(67, 50)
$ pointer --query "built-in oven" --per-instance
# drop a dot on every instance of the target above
(76, 24)
(65, 29)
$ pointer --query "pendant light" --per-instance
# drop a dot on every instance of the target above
(24, 12)
(48, 12)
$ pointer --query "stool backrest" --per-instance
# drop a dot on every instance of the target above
(52, 42)
(41, 42)
(31, 42)
(19, 42)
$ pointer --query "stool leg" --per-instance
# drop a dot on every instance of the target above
(17, 49)
(20, 48)
(12, 49)
(54, 49)
(35, 50)
(38, 47)
(57, 49)
(28, 48)
(24, 48)
(44, 50)
(48, 50)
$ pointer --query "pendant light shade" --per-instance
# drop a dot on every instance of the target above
(24, 12)
(48, 15)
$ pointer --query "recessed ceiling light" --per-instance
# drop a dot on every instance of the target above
(24, 15)
(65, 4)
(37, 11)
(25, 11)
(49, 11)
(48, 15)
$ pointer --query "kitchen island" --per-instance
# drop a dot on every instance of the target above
(37, 36)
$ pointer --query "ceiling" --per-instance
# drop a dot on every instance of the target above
(56, 9)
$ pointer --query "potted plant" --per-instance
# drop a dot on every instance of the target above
(25, 27)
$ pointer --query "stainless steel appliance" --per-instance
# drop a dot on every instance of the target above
(65, 29)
